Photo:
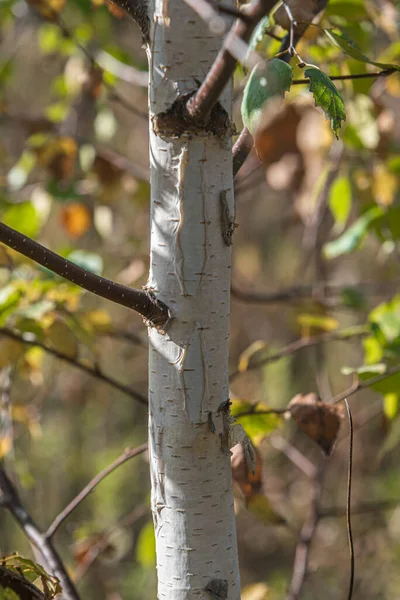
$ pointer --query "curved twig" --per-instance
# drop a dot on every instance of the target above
(94, 372)
(127, 455)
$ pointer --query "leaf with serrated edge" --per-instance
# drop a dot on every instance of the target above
(326, 96)
(265, 82)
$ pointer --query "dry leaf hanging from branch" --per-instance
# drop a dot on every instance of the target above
(319, 420)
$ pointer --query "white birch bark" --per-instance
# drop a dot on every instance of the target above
(192, 500)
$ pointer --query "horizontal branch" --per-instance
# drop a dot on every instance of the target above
(373, 75)
(319, 291)
(305, 342)
(93, 371)
(143, 302)
(9, 498)
(127, 455)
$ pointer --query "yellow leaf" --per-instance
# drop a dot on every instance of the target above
(76, 219)
(247, 357)
(255, 591)
(10, 351)
(62, 339)
(384, 185)
(317, 322)
(6, 445)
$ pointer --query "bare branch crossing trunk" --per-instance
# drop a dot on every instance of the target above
(192, 498)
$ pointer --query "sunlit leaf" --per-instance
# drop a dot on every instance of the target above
(354, 235)
(266, 81)
(255, 591)
(257, 426)
(60, 337)
(326, 96)
(259, 33)
(321, 322)
(252, 355)
(352, 10)
(391, 405)
(340, 200)
(23, 217)
(146, 546)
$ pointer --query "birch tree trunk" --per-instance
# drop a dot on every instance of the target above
(191, 171)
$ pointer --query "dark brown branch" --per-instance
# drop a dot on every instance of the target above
(152, 310)
(10, 500)
(200, 105)
(304, 544)
(93, 371)
(19, 584)
(127, 455)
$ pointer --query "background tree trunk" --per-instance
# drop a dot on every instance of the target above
(192, 498)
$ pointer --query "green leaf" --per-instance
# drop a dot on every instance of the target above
(259, 33)
(351, 50)
(352, 10)
(326, 96)
(340, 201)
(146, 546)
(353, 236)
(8, 594)
(22, 217)
(266, 81)
(256, 425)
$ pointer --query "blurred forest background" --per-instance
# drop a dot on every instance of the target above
(314, 298)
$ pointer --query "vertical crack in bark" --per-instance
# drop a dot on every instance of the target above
(179, 255)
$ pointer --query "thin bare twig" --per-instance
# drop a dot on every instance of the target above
(127, 455)
(348, 502)
(373, 75)
(154, 311)
(305, 539)
(301, 343)
(9, 498)
(93, 371)
(358, 385)
(320, 291)
(103, 542)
